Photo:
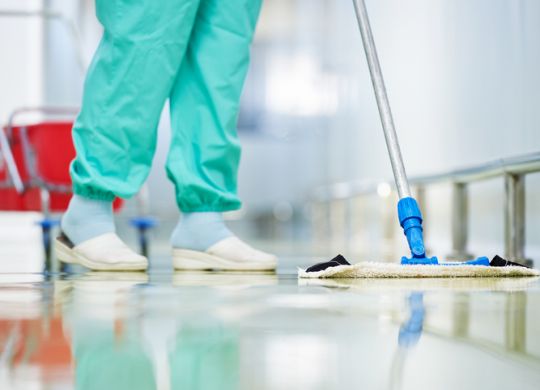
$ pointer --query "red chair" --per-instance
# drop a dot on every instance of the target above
(41, 154)
(34, 166)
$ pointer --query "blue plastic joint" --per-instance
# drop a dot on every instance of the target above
(410, 219)
(143, 222)
(48, 223)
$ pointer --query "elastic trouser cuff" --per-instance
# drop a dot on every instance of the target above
(204, 208)
(92, 193)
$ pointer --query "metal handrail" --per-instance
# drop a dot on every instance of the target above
(517, 165)
(44, 110)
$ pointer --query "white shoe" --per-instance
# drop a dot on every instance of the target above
(102, 253)
(230, 254)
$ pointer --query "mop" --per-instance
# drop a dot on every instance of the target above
(410, 217)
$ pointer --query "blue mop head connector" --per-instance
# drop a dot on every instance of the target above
(410, 219)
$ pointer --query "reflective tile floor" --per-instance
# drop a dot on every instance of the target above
(184, 330)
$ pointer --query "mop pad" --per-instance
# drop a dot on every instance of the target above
(339, 267)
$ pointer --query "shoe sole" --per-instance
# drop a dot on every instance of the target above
(184, 259)
(67, 255)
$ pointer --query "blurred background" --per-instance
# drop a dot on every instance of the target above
(463, 82)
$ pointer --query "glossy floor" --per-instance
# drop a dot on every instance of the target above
(182, 330)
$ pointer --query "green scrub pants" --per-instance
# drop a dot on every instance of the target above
(194, 53)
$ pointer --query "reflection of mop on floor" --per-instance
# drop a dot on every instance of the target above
(409, 335)
(423, 284)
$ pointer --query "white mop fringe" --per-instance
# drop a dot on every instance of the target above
(394, 270)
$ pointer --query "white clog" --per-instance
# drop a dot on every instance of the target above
(106, 252)
(230, 254)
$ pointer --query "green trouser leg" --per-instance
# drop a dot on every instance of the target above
(204, 154)
(128, 82)
(205, 357)
(103, 362)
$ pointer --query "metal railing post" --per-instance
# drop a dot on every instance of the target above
(46, 228)
(514, 218)
(515, 328)
(421, 198)
(461, 318)
(388, 225)
(319, 223)
(460, 222)
(348, 222)
(337, 224)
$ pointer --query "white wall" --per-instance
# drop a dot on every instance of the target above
(461, 79)
(20, 57)
(69, 52)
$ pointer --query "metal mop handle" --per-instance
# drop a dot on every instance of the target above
(410, 217)
(390, 135)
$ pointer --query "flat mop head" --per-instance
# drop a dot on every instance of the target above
(418, 265)
(341, 268)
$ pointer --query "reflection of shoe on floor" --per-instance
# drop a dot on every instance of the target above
(103, 296)
(228, 280)
(230, 254)
(109, 282)
(97, 285)
(106, 252)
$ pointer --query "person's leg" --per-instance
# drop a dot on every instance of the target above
(87, 218)
(205, 151)
(199, 231)
(127, 84)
